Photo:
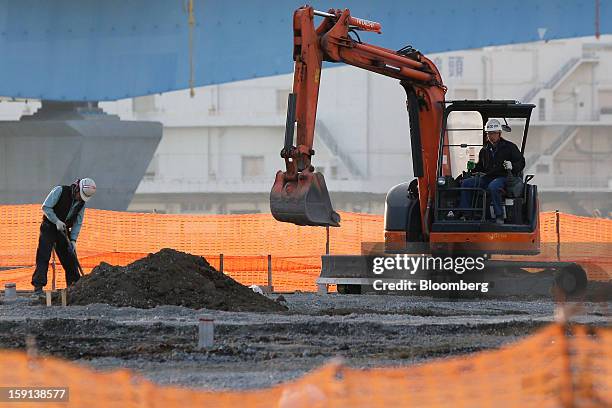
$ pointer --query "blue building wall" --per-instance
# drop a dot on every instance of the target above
(112, 49)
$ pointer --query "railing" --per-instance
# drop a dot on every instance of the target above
(478, 195)
(250, 185)
(200, 185)
(552, 81)
(531, 94)
(330, 141)
(531, 160)
(551, 150)
(561, 73)
(562, 138)
(583, 181)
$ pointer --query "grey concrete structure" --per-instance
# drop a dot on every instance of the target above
(63, 141)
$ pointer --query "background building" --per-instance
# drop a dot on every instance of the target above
(220, 149)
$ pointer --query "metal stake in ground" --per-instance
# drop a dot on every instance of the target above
(63, 296)
(558, 230)
(270, 287)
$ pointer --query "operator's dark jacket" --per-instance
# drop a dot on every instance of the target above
(491, 159)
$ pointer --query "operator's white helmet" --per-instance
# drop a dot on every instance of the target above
(87, 188)
(493, 125)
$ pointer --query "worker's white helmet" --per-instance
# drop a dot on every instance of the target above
(493, 125)
(87, 188)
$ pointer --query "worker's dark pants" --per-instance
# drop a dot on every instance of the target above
(494, 188)
(49, 235)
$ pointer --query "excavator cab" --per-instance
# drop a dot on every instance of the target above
(462, 136)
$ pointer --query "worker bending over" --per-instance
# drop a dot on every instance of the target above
(494, 160)
(63, 210)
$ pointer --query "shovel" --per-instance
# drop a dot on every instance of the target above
(73, 252)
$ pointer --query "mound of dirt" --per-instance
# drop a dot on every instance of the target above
(168, 277)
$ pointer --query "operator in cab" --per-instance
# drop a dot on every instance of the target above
(497, 157)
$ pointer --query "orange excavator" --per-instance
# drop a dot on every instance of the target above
(427, 210)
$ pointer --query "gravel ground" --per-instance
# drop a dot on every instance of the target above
(255, 350)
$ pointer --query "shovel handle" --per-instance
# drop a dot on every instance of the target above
(74, 254)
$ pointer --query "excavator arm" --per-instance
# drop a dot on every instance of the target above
(299, 194)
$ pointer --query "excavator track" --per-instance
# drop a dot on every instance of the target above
(503, 279)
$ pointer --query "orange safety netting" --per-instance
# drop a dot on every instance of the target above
(288, 274)
(556, 367)
(245, 240)
(244, 235)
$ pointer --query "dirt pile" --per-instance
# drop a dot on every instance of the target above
(168, 277)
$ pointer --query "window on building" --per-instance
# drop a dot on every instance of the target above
(282, 96)
(252, 167)
(455, 67)
(605, 102)
(542, 109)
(438, 63)
(144, 104)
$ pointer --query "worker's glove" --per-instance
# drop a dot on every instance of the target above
(508, 165)
(61, 227)
(73, 245)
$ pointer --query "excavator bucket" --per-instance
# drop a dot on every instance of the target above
(303, 202)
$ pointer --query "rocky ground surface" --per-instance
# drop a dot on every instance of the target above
(255, 350)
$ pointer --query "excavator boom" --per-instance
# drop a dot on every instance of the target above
(299, 194)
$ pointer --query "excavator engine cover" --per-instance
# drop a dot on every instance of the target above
(303, 202)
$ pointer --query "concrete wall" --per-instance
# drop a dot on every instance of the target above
(36, 155)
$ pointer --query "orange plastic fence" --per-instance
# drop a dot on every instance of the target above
(244, 235)
(245, 240)
(289, 273)
(548, 369)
